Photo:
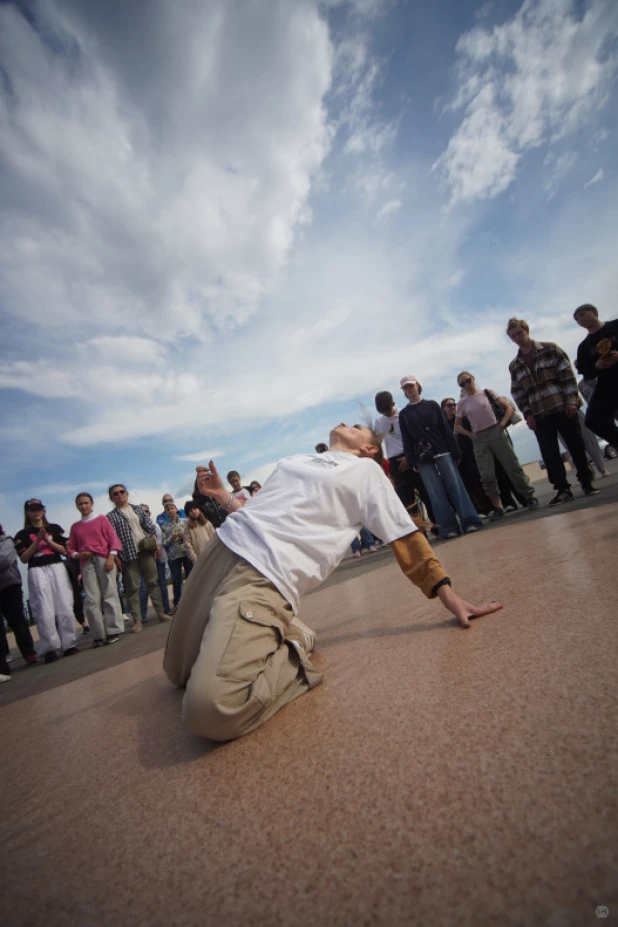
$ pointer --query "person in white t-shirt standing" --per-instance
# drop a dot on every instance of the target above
(240, 492)
(491, 441)
(406, 480)
(236, 642)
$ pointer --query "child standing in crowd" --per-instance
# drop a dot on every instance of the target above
(94, 544)
(41, 545)
(240, 492)
(12, 605)
(236, 642)
(198, 531)
(174, 543)
(406, 480)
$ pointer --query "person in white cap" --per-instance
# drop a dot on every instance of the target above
(236, 642)
(431, 448)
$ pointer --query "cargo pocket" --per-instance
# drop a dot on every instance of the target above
(257, 634)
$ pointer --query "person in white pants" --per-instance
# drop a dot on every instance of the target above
(41, 545)
(94, 543)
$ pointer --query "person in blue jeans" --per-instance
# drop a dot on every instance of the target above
(431, 448)
(174, 545)
(367, 541)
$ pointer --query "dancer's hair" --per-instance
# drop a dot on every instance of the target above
(321, 448)
(80, 494)
(448, 399)
(114, 486)
(231, 474)
(465, 373)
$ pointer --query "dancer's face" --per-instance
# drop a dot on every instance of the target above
(235, 483)
(355, 438)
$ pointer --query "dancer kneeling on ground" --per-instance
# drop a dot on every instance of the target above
(235, 641)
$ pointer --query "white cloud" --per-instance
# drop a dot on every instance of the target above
(560, 166)
(200, 456)
(159, 197)
(534, 79)
(600, 174)
(388, 208)
(54, 489)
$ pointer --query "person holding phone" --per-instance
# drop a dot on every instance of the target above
(42, 545)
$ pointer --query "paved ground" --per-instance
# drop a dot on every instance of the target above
(29, 680)
(438, 777)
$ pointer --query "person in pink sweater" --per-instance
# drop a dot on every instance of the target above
(95, 544)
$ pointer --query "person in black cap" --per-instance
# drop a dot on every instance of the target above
(42, 545)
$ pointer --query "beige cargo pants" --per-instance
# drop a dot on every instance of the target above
(231, 645)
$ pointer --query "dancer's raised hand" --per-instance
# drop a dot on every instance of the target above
(209, 483)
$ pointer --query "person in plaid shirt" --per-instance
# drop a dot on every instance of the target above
(133, 527)
(545, 389)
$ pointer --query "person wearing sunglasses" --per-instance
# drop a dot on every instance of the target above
(139, 553)
(42, 545)
(491, 441)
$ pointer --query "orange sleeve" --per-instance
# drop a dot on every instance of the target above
(416, 559)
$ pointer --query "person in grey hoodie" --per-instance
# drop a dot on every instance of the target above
(12, 605)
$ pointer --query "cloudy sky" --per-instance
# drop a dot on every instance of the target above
(223, 224)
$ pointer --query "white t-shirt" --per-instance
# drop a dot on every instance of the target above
(387, 427)
(299, 526)
(241, 494)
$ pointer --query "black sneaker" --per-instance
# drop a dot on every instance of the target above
(565, 495)
(113, 639)
(51, 656)
(86, 630)
(496, 514)
(70, 651)
(97, 643)
(532, 503)
(589, 489)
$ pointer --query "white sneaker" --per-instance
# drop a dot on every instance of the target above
(4, 678)
(306, 634)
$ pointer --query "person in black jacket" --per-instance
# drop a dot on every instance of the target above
(597, 357)
(431, 448)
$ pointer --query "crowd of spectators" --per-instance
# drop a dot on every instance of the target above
(452, 462)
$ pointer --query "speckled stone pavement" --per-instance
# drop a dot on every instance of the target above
(437, 777)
